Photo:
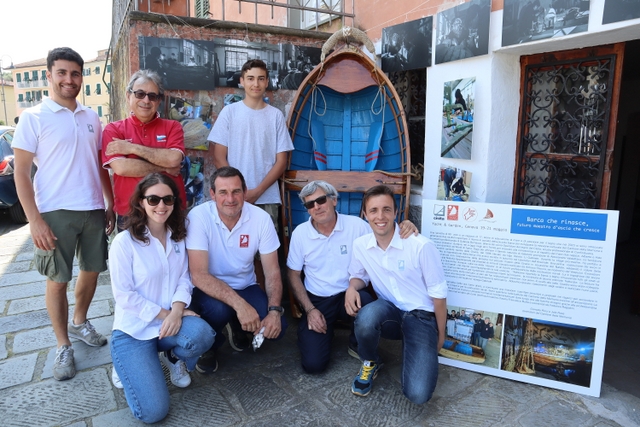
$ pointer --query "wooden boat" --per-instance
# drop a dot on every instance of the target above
(477, 355)
(552, 361)
(348, 128)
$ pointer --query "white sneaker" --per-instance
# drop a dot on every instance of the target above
(178, 371)
(115, 379)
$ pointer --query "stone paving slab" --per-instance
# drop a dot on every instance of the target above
(17, 370)
(52, 402)
(23, 291)
(25, 256)
(11, 279)
(34, 339)
(3, 347)
(20, 322)
(15, 267)
(97, 308)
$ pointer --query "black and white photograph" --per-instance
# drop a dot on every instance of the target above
(529, 20)
(205, 65)
(298, 62)
(182, 64)
(407, 46)
(463, 31)
(458, 110)
(620, 10)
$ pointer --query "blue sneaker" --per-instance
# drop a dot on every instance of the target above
(362, 382)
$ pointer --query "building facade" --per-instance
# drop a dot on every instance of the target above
(7, 103)
(31, 85)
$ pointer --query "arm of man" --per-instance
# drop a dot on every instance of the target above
(273, 287)
(215, 288)
(220, 156)
(166, 158)
(107, 193)
(276, 172)
(352, 302)
(315, 319)
(440, 309)
(138, 167)
(41, 234)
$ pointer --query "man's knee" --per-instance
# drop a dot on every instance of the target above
(417, 395)
(154, 413)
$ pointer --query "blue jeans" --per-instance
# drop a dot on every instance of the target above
(315, 348)
(419, 332)
(218, 314)
(137, 364)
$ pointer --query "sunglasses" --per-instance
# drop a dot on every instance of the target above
(311, 203)
(155, 200)
(140, 94)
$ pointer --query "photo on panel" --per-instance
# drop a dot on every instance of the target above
(407, 46)
(530, 20)
(463, 31)
(458, 109)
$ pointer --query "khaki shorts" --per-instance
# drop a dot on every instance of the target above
(80, 233)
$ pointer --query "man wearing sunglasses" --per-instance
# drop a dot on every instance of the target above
(223, 237)
(322, 248)
(66, 203)
(142, 143)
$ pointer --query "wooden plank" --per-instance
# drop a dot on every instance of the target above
(346, 182)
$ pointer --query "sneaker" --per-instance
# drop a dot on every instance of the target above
(207, 363)
(87, 333)
(362, 382)
(177, 371)
(353, 351)
(64, 367)
(115, 379)
(238, 339)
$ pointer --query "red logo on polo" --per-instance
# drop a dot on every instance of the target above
(244, 240)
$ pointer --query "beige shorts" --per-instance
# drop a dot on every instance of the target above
(273, 209)
(80, 233)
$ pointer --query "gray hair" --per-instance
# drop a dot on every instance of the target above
(147, 76)
(311, 188)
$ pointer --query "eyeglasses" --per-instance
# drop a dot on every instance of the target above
(140, 94)
(155, 200)
(311, 203)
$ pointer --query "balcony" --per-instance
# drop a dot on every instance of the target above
(25, 104)
(32, 84)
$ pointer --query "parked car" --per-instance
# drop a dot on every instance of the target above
(8, 195)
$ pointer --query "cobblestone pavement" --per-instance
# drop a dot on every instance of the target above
(267, 388)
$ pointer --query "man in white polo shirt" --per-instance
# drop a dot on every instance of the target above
(408, 278)
(223, 237)
(322, 247)
(66, 204)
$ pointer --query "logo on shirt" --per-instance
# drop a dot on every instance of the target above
(176, 248)
(401, 264)
(90, 127)
(343, 249)
(244, 240)
(161, 138)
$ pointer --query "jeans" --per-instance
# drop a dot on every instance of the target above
(315, 348)
(218, 314)
(417, 329)
(483, 343)
(137, 364)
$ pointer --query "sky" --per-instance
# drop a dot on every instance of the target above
(29, 29)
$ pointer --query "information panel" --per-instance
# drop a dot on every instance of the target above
(529, 290)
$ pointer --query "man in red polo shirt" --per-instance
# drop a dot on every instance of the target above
(142, 143)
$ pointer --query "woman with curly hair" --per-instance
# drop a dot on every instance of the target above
(152, 288)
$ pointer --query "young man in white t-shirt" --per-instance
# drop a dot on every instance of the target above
(66, 204)
(223, 237)
(252, 136)
(408, 278)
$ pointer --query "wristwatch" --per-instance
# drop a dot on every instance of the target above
(277, 308)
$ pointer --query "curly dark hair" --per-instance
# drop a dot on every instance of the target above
(137, 217)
